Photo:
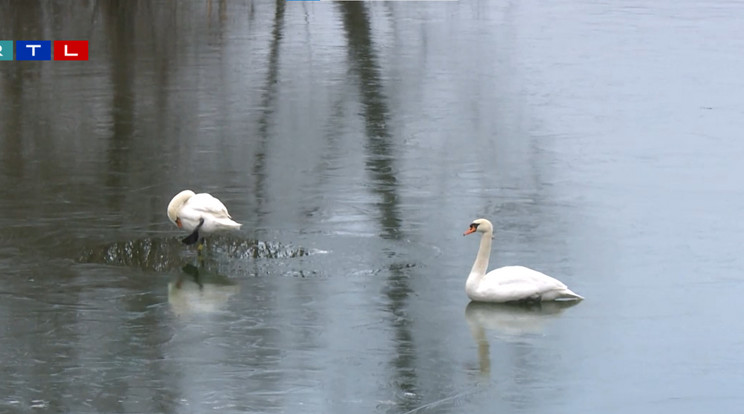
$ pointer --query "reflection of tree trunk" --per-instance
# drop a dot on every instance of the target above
(380, 149)
(267, 107)
(25, 20)
(221, 10)
(119, 25)
(405, 349)
(13, 162)
(380, 164)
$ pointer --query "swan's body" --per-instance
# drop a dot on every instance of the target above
(509, 283)
(199, 213)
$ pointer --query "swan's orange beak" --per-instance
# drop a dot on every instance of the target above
(470, 230)
(178, 222)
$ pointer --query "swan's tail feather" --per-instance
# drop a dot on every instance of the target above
(569, 295)
(228, 224)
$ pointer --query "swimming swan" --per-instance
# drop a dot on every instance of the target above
(509, 283)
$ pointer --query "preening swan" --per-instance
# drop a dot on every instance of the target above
(509, 283)
(201, 214)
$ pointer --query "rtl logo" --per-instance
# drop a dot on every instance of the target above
(42, 50)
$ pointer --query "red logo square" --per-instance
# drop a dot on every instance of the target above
(70, 50)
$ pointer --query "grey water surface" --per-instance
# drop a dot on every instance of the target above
(356, 141)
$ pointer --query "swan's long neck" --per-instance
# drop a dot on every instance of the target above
(484, 252)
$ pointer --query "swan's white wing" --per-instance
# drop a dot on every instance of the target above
(204, 203)
(205, 207)
(511, 283)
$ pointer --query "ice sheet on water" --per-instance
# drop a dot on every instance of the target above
(162, 254)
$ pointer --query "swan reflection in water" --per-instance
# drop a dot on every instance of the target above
(198, 290)
(510, 321)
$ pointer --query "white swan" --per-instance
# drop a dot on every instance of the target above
(509, 283)
(199, 213)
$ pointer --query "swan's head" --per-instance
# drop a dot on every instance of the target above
(481, 225)
(175, 206)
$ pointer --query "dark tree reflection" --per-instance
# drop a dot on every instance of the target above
(380, 156)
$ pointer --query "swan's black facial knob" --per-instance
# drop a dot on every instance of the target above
(473, 227)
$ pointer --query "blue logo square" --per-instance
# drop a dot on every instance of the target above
(6, 50)
(34, 50)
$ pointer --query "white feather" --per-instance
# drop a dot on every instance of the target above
(509, 283)
(189, 209)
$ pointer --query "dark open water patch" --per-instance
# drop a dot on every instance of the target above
(163, 254)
